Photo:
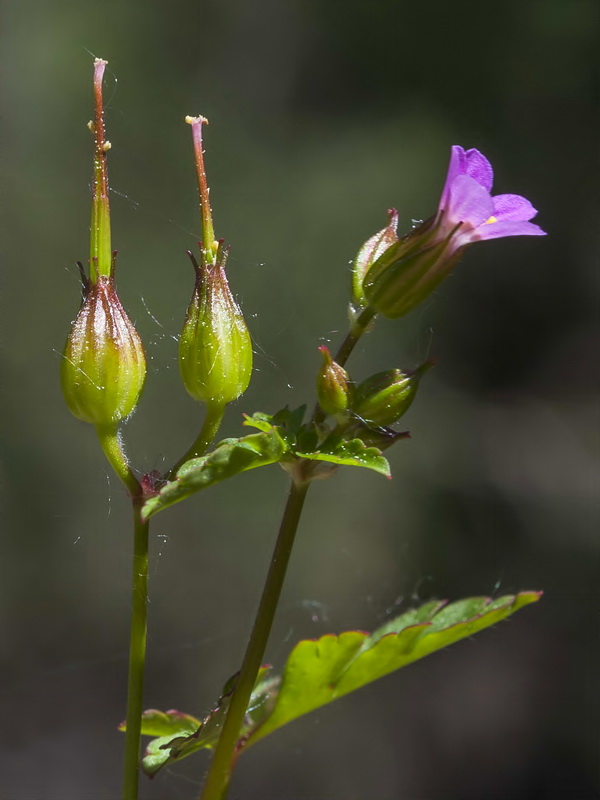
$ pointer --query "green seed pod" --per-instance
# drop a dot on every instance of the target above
(385, 397)
(103, 367)
(334, 389)
(215, 349)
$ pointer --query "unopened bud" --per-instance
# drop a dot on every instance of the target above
(215, 349)
(103, 367)
(334, 389)
(385, 397)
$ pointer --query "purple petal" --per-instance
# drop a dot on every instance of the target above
(469, 202)
(496, 230)
(456, 167)
(479, 168)
(513, 207)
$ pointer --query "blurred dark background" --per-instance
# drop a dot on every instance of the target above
(323, 114)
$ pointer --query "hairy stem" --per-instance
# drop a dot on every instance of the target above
(110, 441)
(137, 653)
(217, 779)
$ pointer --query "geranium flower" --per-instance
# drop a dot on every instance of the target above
(467, 201)
(411, 268)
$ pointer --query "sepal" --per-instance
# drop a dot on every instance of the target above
(103, 367)
(386, 396)
(370, 251)
(215, 349)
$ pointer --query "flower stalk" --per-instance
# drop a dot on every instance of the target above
(229, 745)
(137, 652)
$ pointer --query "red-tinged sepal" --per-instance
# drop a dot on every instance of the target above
(215, 349)
(103, 367)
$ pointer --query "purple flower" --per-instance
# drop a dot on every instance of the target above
(405, 273)
(466, 201)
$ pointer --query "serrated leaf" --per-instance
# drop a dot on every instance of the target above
(319, 671)
(352, 454)
(229, 458)
(183, 740)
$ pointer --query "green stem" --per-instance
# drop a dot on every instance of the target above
(360, 325)
(210, 427)
(226, 751)
(137, 653)
(217, 779)
(113, 449)
(110, 441)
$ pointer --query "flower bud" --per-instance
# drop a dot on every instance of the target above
(385, 397)
(334, 389)
(374, 247)
(215, 349)
(103, 368)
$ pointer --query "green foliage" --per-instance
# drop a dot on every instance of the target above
(353, 453)
(321, 670)
(165, 723)
(179, 735)
(283, 438)
(229, 458)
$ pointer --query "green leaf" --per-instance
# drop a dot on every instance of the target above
(352, 454)
(184, 740)
(229, 458)
(290, 421)
(319, 671)
(165, 723)
(260, 421)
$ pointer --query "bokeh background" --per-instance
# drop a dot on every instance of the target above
(323, 115)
